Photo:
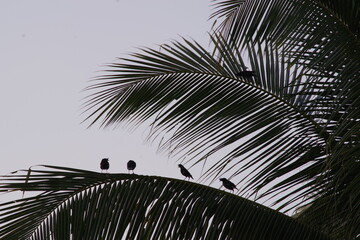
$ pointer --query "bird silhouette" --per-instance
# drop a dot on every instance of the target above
(227, 184)
(104, 165)
(131, 165)
(185, 172)
(245, 73)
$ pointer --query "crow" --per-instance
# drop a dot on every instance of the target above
(227, 184)
(104, 165)
(245, 73)
(131, 165)
(185, 172)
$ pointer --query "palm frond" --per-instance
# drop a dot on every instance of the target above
(78, 204)
(205, 108)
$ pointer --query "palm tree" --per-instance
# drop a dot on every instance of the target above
(296, 121)
(275, 123)
(290, 133)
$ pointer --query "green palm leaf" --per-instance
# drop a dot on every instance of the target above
(78, 204)
(204, 107)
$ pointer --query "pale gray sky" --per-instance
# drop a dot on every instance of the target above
(49, 50)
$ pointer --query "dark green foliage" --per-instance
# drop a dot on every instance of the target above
(78, 204)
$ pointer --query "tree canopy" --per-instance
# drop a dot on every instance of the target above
(289, 131)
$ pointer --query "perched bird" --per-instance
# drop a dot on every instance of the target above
(185, 172)
(245, 73)
(104, 165)
(131, 165)
(227, 184)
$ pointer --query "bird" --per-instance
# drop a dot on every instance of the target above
(245, 73)
(227, 184)
(185, 172)
(131, 165)
(104, 165)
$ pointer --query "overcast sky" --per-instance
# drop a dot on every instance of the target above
(49, 50)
